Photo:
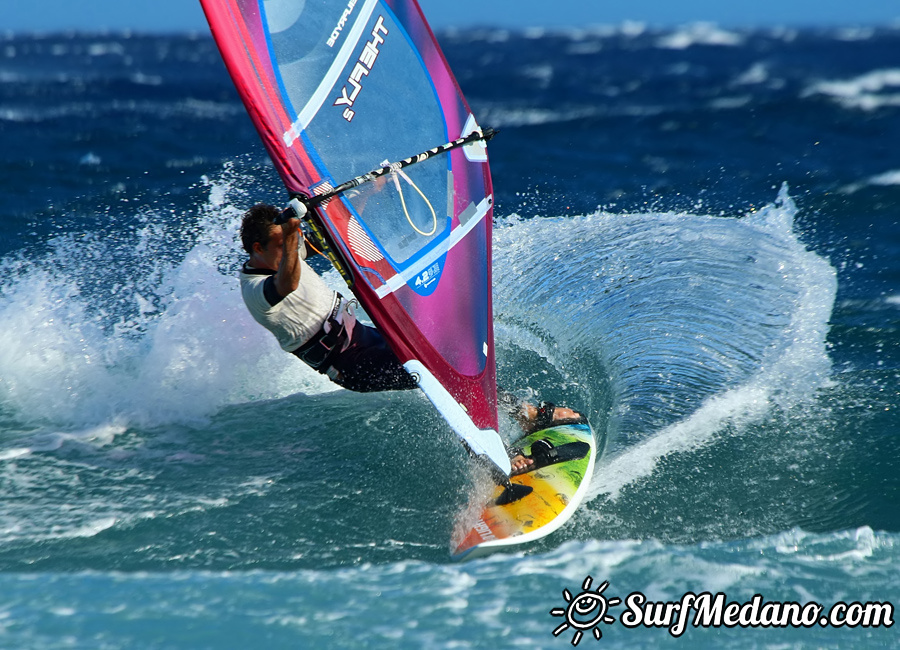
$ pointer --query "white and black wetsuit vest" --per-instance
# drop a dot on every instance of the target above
(296, 318)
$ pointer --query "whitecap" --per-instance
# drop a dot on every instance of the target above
(146, 79)
(854, 33)
(702, 33)
(541, 74)
(585, 48)
(885, 179)
(730, 103)
(105, 49)
(528, 116)
(90, 159)
(866, 92)
(88, 530)
(632, 28)
(757, 73)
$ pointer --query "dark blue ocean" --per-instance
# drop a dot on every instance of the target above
(697, 244)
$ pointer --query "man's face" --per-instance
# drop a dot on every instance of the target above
(272, 253)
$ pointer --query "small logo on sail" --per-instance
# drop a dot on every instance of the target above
(363, 66)
(336, 34)
(427, 277)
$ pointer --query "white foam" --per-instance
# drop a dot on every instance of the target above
(63, 611)
(702, 33)
(106, 49)
(14, 115)
(513, 117)
(15, 452)
(758, 73)
(632, 28)
(91, 529)
(730, 103)
(508, 116)
(885, 179)
(142, 79)
(107, 332)
(865, 92)
(854, 33)
(628, 29)
(542, 74)
(51, 441)
(742, 405)
(587, 48)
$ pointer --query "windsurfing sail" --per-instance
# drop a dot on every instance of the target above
(337, 88)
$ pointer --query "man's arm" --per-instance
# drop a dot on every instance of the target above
(287, 278)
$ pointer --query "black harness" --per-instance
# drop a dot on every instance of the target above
(323, 347)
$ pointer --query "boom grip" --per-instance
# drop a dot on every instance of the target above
(295, 209)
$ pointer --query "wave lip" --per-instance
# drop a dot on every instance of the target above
(695, 321)
(788, 365)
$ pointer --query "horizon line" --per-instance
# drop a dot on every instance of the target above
(624, 26)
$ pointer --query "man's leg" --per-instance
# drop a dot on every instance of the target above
(369, 364)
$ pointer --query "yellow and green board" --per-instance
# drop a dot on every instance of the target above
(557, 490)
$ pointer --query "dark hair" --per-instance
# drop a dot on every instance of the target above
(256, 224)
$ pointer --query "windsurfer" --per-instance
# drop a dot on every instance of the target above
(287, 297)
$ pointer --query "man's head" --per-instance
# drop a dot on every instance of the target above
(257, 227)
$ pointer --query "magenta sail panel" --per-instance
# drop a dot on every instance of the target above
(337, 88)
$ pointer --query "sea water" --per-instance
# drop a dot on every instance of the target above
(696, 244)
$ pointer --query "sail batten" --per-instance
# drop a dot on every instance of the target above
(456, 235)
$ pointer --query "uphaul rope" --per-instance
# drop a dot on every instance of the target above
(312, 201)
(294, 210)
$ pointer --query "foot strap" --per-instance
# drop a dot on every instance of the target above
(544, 418)
(544, 453)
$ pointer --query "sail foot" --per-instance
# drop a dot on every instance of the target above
(482, 442)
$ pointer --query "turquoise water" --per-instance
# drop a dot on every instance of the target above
(695, 245)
